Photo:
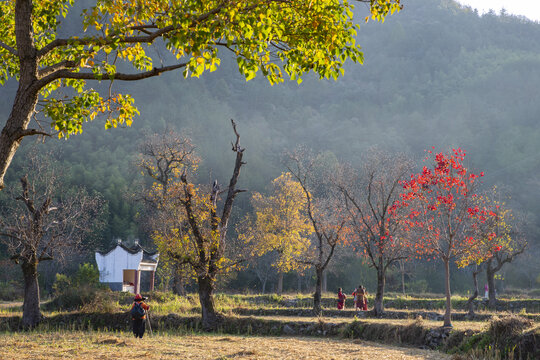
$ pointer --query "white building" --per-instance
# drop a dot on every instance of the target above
(121, 267)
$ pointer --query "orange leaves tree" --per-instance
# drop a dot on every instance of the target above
(441, 202)
(503, 234)
(194, 232)
(55, 66)
(372, 197)
(281, 225)
(324, 211)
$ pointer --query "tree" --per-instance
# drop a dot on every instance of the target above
(281, 225)
(373, 200)
(508, 240)
(164, 158)
(194, 234)
(441, 203)
(324, 211)
(44, 223)
(303, 35)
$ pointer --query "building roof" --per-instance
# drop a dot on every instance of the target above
(147, 255)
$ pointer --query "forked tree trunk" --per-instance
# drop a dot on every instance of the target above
(470, 301)
(325, 282)
(448, 312)
(280, 283)
(490, 274)
(317, 309)
(379, 305)
(31, 312)
(210, 319)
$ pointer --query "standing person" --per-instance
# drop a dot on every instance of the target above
(341, 299)
(138, 315)
(356, 293)
(486, 291)
(363, 301)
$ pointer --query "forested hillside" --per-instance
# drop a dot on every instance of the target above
(436, 74)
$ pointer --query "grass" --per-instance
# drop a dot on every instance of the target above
(103, 345)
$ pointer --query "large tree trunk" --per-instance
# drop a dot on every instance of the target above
(299, 283)
(325, 282)
(280, 283)
(379, 305)
(27, 93)
(490, 274)
(210, 319)
(448, 312)
(317, 309)
(31, 312)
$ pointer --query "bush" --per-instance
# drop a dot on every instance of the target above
(61, 284)
(10, 291)
(87, 275)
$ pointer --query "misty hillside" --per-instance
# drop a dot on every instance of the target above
(435, 74)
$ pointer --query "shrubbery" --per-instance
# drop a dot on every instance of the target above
(10, 291)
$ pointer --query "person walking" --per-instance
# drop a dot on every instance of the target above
(341, 299)
(138, 315)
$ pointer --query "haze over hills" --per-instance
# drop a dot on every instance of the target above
(437, 74)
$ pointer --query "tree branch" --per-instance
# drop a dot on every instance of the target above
(66, 74)
(9, 48)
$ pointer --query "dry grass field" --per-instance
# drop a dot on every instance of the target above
(102, 345)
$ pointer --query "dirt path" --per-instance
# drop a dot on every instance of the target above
(88, 346)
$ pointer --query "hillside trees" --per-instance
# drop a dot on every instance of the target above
(373, 199)
(53, 69)
(315, 174)
(193, 232)
(280, 224)
(441, 203)
(44, 223)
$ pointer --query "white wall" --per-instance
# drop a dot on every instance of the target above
(111, 265)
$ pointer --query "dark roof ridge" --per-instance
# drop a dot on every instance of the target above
(133, 250)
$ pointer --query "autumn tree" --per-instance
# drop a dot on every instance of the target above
(440, 200)
(163, 158)
(278, 38)
(44, 222)
(280, 225)
(504, 233)
(373, 197)
(315, 174)
(194, 232)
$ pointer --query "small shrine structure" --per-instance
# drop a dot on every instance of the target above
(121, 267)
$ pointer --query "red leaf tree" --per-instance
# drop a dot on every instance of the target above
(441, 202)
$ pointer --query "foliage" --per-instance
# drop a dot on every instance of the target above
(441, 203)
(281, 224)
(87, 274)
(309, 36)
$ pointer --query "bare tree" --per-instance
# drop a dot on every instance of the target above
(372, 198)
(315, 175)
(44, 222)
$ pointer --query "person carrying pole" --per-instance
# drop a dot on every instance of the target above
(138, 315)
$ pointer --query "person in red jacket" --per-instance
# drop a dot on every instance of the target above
(341, 299)
(138, 315)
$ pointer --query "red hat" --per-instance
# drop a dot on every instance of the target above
(138, 297)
